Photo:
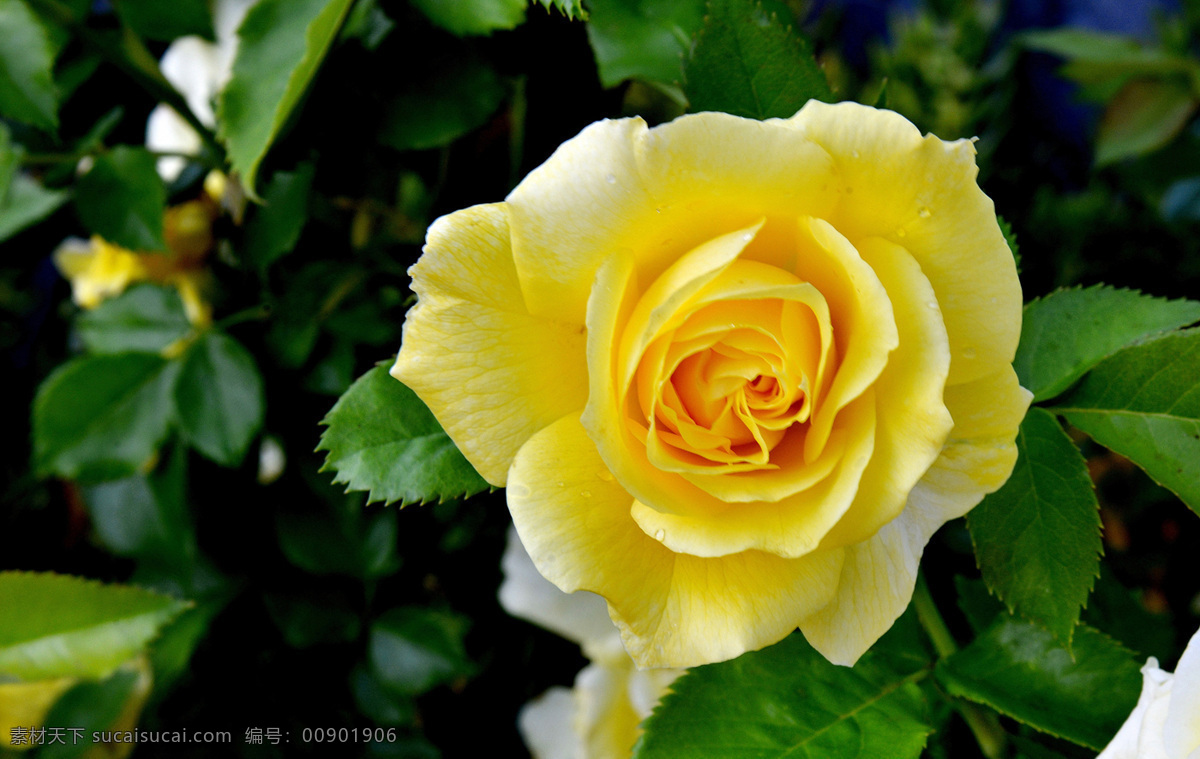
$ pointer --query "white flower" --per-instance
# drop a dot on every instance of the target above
(599, 717)
(1165, 724)
(199, 70)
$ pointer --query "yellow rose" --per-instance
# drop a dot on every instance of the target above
(99, 270)
(734, 374)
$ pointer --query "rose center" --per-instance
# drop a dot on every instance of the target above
(735, 379)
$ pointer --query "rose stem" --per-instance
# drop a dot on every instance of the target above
(984, 724)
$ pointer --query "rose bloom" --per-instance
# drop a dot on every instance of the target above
(1165, 724)
(199, 70)
(99, 270)
(599, 717)
(734, 374)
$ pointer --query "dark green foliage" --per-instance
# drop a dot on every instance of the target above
(1037, 538)
(121, 199)
(749, 60)
(1082, 694)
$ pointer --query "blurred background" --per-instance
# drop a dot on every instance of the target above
(311, 610)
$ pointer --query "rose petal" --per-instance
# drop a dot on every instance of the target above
(923, 195)
(1181, 734)
(879, 574)
(672, 609)
(913, 422)
(791, 527)
(578, 208)
(491, 373)
(605, 718)
(581, 617)
(864, 326)
(547, 726)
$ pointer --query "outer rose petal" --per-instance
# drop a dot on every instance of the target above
(923, 196)
(581, 616)
(588, 191)
(623, 184)
(1181, 734)
(672, 609)
(1141, 735)
(547, 726)
(880, 573)
(490, 372)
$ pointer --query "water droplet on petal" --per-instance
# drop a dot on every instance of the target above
(968, 353)
(747, 237)
(854, 153)
(585, 493)
(924, 213)
(518, 491)
(933, 304)
(901, 233)
(605, 475)
(660, 535)
(610, 178)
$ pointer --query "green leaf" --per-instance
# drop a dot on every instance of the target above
(1020, 670)
(1069, 331)
(143, 318)
(1010, 237)
(353, 542)
(275, 227)
(1144, 403)
(90, 706)
(978, 605)
(282, 44)
(384, 440)
(146, 516)
(750, 61)
(122, 199)
(572, 9)
(459, 94)
(413, 649)
(61, 626)
(377, 703)
(316, 615)
(1037, 538)
(1145, 115)
(642, 39)
(102, 417)
(156, 20)
(1115, 610)
(368, 24)
(1181, 201)
(174, 647)
(788, 701)
(1099, 56)
(472, 17)
(27, 204)
(27, 91)
(220, 398)
(23, 201)
(10, 161)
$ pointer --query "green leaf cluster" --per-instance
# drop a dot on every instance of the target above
(104, 415)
